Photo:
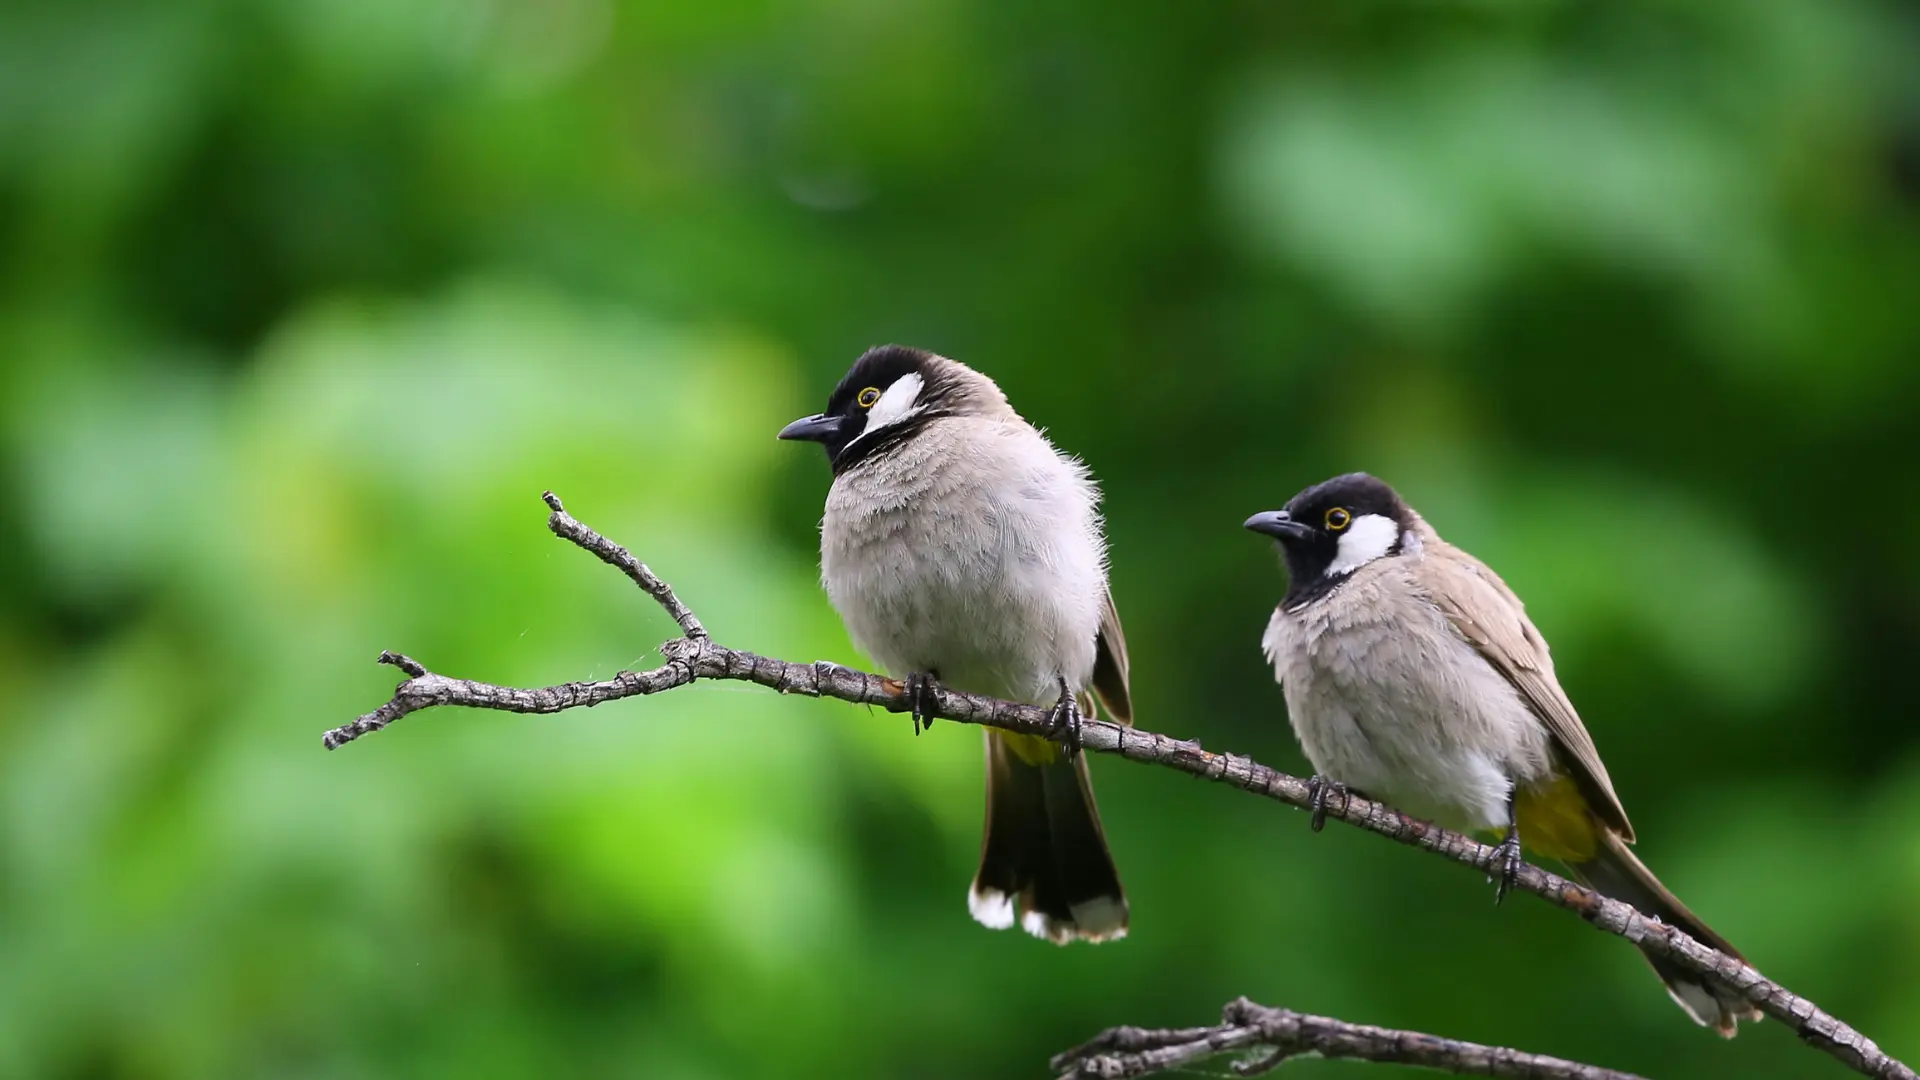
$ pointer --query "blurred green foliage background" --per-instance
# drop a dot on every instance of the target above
(303, 304)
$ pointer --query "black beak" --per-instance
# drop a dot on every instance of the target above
(1278, 524)
(817, 428)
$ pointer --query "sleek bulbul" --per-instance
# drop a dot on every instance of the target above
(960, 546)
(1413, 674)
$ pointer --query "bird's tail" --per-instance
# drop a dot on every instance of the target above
(1614, 871)
(1044, 859)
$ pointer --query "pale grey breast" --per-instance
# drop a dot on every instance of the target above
(972, 549)
(1387, 697)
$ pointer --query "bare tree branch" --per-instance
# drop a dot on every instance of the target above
(1125, 1052)
(566, 527)
(696, 656)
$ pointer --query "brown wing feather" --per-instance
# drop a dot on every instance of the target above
(1110, 664)
(1489, 615)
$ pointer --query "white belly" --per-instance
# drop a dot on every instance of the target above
(1388, 699)
(973, 551)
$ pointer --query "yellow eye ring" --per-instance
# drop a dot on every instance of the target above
(869, 397)
(1338, 518)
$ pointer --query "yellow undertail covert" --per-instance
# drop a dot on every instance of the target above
(1555, 821)
(1037, 750)
(1032, 749)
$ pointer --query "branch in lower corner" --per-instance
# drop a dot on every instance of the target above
(1270, 1036)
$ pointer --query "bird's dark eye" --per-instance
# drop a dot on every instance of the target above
(869, 397)
(1338, 518)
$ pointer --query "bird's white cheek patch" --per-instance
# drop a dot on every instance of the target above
(901, 400)
(1368, 538)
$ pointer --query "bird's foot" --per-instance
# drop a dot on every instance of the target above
(1065, 716)
(1317, 789)
(921, 687)
(1509, 863)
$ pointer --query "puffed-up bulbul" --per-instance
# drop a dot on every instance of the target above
(1412, 674)
(960, 546)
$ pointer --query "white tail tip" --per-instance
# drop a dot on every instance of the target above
(990, 908)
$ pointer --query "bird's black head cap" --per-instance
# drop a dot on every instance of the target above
(888, 395)
(1332, 529)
